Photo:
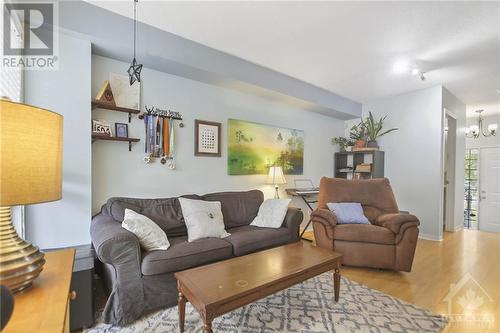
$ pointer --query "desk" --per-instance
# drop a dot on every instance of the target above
(44, 307)
(305, 194)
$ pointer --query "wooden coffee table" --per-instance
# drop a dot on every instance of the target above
(221, 287)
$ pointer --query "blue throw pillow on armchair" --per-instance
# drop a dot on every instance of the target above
(348, 212)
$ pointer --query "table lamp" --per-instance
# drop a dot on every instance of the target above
(30, 172)
(276, 177)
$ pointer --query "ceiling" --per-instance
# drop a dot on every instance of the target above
(349, 48)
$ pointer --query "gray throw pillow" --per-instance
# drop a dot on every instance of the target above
(348, 212)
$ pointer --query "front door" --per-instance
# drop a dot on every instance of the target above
(489, 205)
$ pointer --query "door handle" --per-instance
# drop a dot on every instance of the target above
(483, 198)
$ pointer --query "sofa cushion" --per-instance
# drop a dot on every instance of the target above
(165, 212)
(366, 233)
(248, 239)
(183, 255)
(238, 208)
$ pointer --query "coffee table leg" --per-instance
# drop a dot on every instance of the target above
(181, 304)
(208, 327)
(336, 283)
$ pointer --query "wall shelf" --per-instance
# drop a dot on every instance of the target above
(109, 107)
(114, 138)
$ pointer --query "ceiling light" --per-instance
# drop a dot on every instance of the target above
(475, 131)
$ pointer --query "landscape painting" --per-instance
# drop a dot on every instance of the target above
(253, 148)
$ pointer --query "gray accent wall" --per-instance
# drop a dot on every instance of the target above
(118, 172)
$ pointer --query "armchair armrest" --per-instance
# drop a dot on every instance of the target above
(394, 222)
(116, 246)
(324, 216)
(323, 221)
(292, 221)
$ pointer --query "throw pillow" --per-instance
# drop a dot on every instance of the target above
(150, 235)
(271, 213)
(203, 219)
(348, 212)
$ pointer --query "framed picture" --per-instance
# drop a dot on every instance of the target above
(121, 130)
(207, 138)
(252, 148)
(101, 127)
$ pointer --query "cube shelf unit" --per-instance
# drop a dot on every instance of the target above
(345, 159)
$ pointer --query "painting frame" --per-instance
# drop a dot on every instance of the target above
(209, 132)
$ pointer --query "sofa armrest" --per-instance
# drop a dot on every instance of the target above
(117, 247)
(394, 222)
(292, 221)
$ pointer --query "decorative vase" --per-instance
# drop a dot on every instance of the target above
(348, 148)
(372, 144)
(360, 144)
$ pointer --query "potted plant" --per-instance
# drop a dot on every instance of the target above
(344, 143)
(374, 128)
(358, 135)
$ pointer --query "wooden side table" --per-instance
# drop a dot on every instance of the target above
(44, 307)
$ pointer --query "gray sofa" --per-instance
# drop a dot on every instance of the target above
(139, 282)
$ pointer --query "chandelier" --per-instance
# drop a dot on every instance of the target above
(475, 131)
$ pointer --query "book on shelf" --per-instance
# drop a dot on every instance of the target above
(364, 167)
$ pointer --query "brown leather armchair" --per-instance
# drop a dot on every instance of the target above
(388, 242)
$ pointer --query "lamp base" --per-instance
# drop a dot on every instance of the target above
(276, 192)
(20, 262)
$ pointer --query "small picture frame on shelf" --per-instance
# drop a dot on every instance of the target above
(207, 138)
(101, 127)
(121, 130)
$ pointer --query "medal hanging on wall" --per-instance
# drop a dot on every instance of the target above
(171, 161)
(147, 155)
(166, 142)
(152, 134)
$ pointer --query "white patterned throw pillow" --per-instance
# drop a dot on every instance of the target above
(150, 235)
(271, 214)
(203, 219)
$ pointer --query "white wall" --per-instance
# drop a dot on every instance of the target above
(456, 109)
(65, 91)
(117, 172)
(482, 142)
(413, 154)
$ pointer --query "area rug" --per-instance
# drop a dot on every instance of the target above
(306, 307)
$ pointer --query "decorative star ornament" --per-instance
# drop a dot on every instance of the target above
(134, 72)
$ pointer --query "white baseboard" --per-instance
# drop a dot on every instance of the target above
(429, 237)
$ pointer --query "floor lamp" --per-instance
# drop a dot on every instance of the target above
(30, 172)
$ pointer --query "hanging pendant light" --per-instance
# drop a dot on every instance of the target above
(475, 131)
(134, 71)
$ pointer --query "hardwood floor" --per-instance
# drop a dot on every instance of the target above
(436, 266)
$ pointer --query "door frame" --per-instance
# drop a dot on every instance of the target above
(449, 201)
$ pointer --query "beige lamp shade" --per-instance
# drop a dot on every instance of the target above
(30, 154)
(276, 176)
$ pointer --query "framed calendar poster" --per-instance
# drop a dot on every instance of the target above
(207, 138)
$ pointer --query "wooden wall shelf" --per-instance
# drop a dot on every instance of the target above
(106, 106)
(114, 138)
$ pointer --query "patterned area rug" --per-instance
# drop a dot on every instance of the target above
(306, 307)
